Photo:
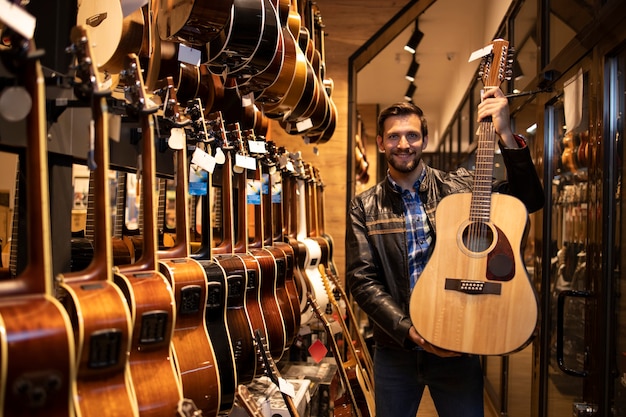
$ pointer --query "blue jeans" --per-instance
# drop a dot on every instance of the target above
(455, 384)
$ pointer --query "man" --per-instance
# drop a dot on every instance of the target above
(389, 238)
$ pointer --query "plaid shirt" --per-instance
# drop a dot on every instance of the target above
(419, 234)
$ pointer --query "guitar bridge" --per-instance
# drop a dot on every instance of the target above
(473, 287)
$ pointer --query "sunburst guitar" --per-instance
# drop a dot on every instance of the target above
(475, 295)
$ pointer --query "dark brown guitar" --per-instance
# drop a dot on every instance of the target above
(254, 301)
(217, 311)
(292, 270)
(149, 294)
(32, 383)
(274, 299)
(99, 312)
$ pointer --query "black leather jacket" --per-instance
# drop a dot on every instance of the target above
(376, 242)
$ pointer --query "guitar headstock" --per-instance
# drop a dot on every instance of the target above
(131, 77)
(266, 357)
(495, 67)
(92, 81)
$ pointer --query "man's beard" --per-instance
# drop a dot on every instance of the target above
(405, 165)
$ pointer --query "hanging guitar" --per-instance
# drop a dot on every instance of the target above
(99, 312)
(149, 294)
(32, 383)
(483, 302)
(193, 347)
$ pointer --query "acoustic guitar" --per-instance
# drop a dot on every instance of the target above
(287, 294)
(98, 310)
(240, 291)
(194, 353)
(274, 229)
(191, 22)
(274, 298)
(484, 302)
(32, 382)
(148, 293)
(256, 304)
(218, 313)
(313, 251)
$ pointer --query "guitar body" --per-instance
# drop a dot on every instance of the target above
(192, 22)
(239, 326)
(155, 378)
(314, 282)
(34, 384)
(272, 314)
(490, 307)
(253, 293)
(217, 326)
(195, 358)
(102, 328)
(292, 274)
(284, 267)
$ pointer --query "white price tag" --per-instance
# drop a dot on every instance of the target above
(189, 55)
(480, 53)
(304, 125)
(203, 160)
(17, 19)
(245, 162)
(257, 146)
(286, 387)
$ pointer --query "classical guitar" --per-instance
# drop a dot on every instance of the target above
(194, 353)
(32, 383)
(148, 293)
(99, 312)
(483, 302)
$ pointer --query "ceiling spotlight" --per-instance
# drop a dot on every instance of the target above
(408, 96)
(410, 74)
(414, 40)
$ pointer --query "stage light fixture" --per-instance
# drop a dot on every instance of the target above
(414, 40)
(408, 96)
(410, 74)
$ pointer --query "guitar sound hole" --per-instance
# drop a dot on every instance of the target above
(153, 327)
(477, 237)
